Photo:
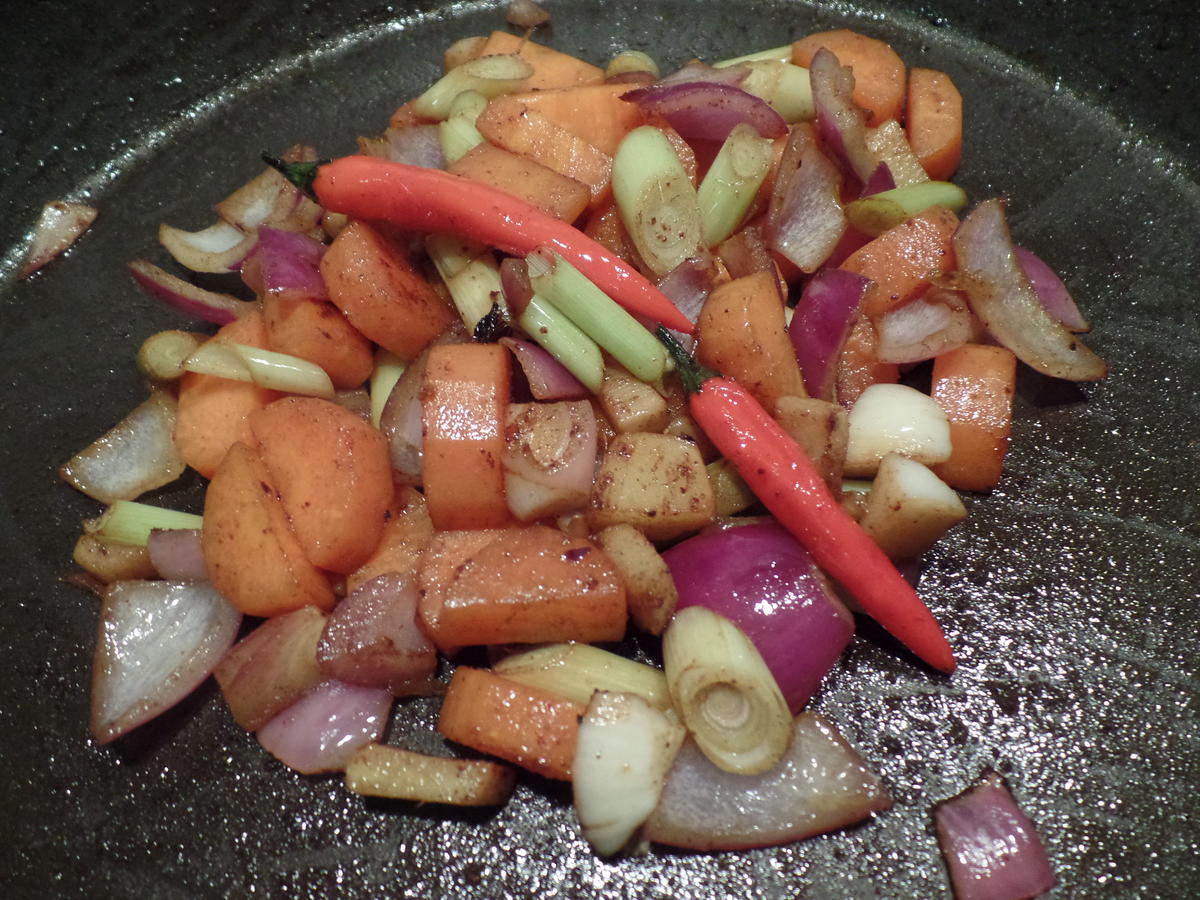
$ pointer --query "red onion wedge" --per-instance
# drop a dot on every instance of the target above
(880, 180)
(286, 264)
(820, 784)
(187, 298)
(416, 145)
(372, 638)
(549, 457)
(688, 286)
(324, 729)
(810, 220)
(1051, 291)
(176, 554)
(761, 579)
(1001, 295)
(820, 324)
(932, 324)
(548, 378)
(158, 640)
(841, 123)
(59, 226)
(137, 455)
(991, 849)
(708, 111)
(220, 247)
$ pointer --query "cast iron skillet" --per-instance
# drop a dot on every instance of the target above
(1070, 594)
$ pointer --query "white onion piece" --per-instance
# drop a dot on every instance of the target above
(624, 749)
(187, 298)
(263, 197)
(219, 248)
(176, 554)
(810, 218)
(549, 457)
(1002, 297)
(158, 641)
(819, 785)
(991, 847)
(894, 418)
(59, 226)
(923, 328)
(137, 455)
(323, 730)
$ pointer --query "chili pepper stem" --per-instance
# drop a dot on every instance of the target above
(301, 174)
(691, 373)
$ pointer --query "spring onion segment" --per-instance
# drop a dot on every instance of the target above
(471, 274)
(624, 750)
(162, 355)
(380, 771)
(129, 522)
(576, 671)
(490, 76)
(877, 213)
(782, 53)
(458, 134)
(629, 61)
(656, 199)
(388, 369)
(562, 339)
(787, 88)
(731, 183)
(266, 368)
(725, 693)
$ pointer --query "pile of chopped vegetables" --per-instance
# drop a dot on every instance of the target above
(569, 352)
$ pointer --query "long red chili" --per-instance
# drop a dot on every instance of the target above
(432, 200)
(785, 480)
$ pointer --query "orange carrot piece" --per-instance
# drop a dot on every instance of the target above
(320, 333)
(551, 68)
(934, 122)
(529, 585)
(372, 280)
(507, 123)
(445, 553)
(406, 532)
(405, 116)
(333, 474)
(464, 397)
(859, 366)
(253, 557)
(879, 74)
(741, 333)
(525, 725)
(559, 195)
(904, 259)
(594, 112)
(211, 415)
(974, 384)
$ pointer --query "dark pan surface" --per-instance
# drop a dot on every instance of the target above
(1071, 594)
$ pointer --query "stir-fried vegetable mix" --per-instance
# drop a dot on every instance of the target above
(565, 354)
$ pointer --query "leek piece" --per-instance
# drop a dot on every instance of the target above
(377, 770)
(388, 369)
(731, 495)
(656, 199)
(471, 274)
(266, 368)
(628, 61)
(562, 339)
(597, 315)
(725, 693)
(576, 671)
(782, 53)
(491, 76)
(787, 88)
(877, 213)
(732, 182)
(130, 522)
(458, 134)
(162, 355)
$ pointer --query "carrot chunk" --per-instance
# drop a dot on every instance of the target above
(879, 76)
(974, 384)
(525, 725)
(551, 68)
(321, 333)
(934, 122)
(594, 112)
(406, 532)
(560, 196)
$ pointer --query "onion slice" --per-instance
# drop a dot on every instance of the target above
(933, 324)
(708, 110)
(59, 226)
(220, 247)
(158, 641)
(176, 554)
(286, 264)
(821, 784)
(548, 378)
(1050, 290)
(187, 298)
(323, 730)
(821, 323)
(1001, 295)
(991, 848)
(841, 123)
(810, 220)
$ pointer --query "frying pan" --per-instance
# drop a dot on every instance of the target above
(1071, 593)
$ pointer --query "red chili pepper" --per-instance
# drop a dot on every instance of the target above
(431, 200)
(784, 479)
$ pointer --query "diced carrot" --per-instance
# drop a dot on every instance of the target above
(320, 333)
(974, 384)
(333, 474)
(406, 532)
(741, 333)
(405, 116)
(594, 112)
(859, 366)
(464, 398)
(445, 553)
(525, 725)
(507, 123)
(879, 73)
(253, 557)
(372, 280)
(551, 68)
(529, 585)
(560, 196)
(904, 259)
(211, 414)
(934, 122)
